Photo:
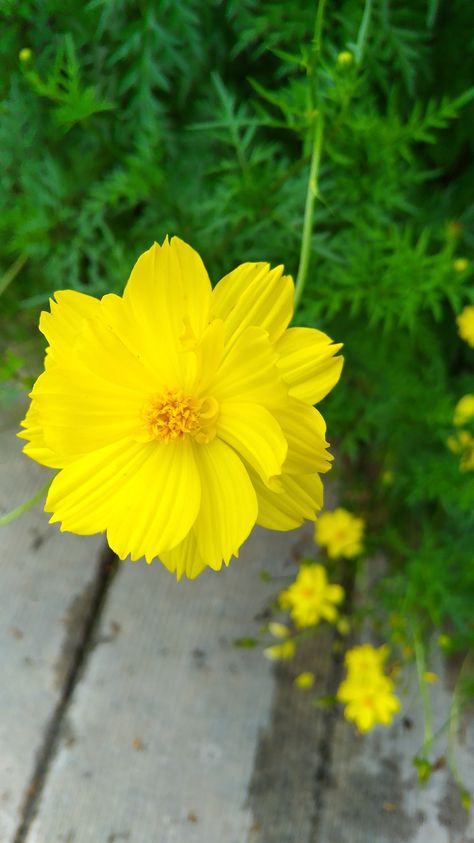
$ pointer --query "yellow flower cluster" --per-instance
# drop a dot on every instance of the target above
(465, 322)
(340, 533)
(462, 442)
(311, 597)
(367, 691)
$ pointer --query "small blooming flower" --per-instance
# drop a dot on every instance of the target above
(465, 323)
(464, 411)
(365, 661)
(370, 704)
(462, 443)
(304, 681)
(311, 598)
(280, 652)
(367, 691)
(340, 533)
(179, 415)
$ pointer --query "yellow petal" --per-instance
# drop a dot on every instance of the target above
(84, 494)
(159, 505)
(254, 295)
(168, 296)
(228, 504)
(62, 325)
(34, 433)
(308, 364)
(254, 433)
(145, 495)
(248, 372)
(81, 412)
(301, 497)
(120, 349)
(304, 429)
(184, 559)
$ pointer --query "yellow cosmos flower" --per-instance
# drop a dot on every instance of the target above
(369, 704)
(311, 598)
(464, 410)
(465, 322)
(178, 415)
(367, 691)
(340, 533)
(463, 443)
(365, 661)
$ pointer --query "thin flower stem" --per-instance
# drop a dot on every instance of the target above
(425, 697)
(24, 507)
(12, 272)
(317, 142)
(311, 195)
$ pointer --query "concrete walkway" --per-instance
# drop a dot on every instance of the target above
(127, 713)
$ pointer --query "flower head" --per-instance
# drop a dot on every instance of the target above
(462, 443)
(370, 704)
(25, 54)
(311, 598)
(340, 533)
(464, 411)
(465, 323)
(366, 690)
(178, 415)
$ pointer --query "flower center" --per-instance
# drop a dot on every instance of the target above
(173, 414)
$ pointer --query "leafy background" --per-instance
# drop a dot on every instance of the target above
(132, 120)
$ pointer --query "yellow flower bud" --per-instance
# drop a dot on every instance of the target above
(460, 264)
(345, 58)
(304, 681)
(25, 54)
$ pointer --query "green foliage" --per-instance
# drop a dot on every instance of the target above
(132, 120)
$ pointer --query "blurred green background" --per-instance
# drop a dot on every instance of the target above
(122, 121)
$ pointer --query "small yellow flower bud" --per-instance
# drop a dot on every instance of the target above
(460, 264)
(345, 58)
(279, 652)
(278, 630)
(430, 677)
(25, 54)
(444, 641)
(343, 626)
(304, 681)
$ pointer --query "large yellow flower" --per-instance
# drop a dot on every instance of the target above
(179, 416)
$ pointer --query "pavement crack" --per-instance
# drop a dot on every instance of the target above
(82, 623)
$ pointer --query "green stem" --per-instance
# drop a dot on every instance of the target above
(425, 697)
(311, 195)
(12, 272)
(317, 142)
(24, 507)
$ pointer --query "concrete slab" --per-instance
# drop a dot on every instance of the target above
(46, 580)
(163, 728)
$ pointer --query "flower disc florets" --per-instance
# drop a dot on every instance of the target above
(179, 415)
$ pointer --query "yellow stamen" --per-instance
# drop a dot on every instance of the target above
(173, 414)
